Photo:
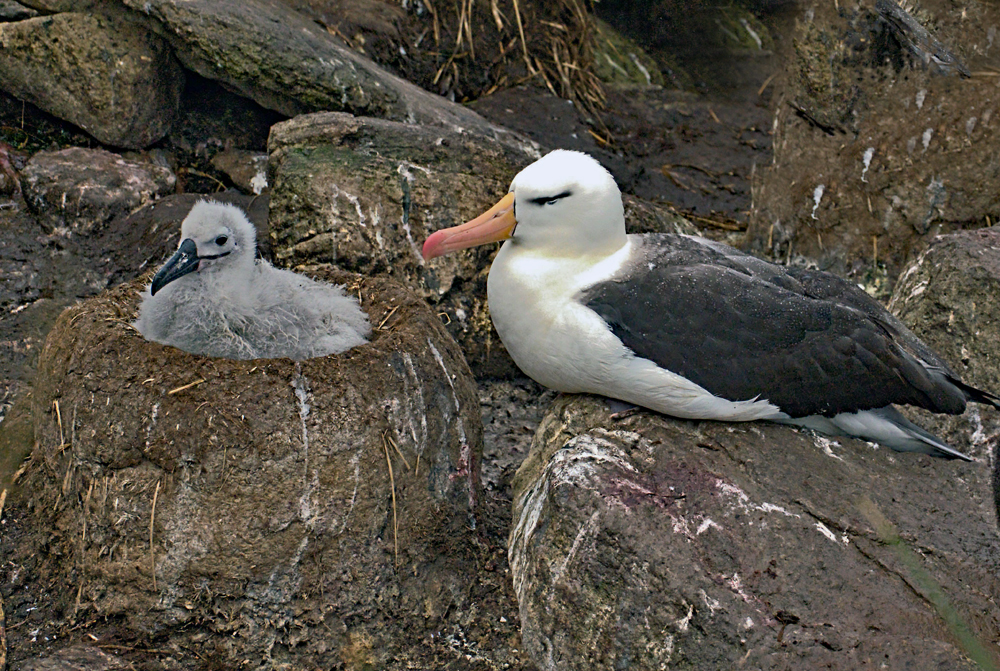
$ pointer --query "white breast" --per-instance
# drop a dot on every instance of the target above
(562, 344)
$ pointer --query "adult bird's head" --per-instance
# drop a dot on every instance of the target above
(214, 237)
(565, 204)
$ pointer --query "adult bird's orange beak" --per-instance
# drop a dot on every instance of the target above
(496, 224)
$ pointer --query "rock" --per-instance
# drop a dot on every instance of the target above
(645, 542)
(950, 297)
(213, 119)
(619, 60)
(77, 658)
(873, 155)
(13, 11)
(10, 184)
(247, 169)
(273, 55)
(291, 512)
(112, 78)
(57, 6)
(642, 216)
(82, 189)
(365, 193)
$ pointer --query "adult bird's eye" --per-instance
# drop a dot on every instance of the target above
(551, 200)
(221, 240)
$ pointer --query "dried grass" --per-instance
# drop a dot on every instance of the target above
(152, 518)
(392, 485)
(3, 637)
(556, 46)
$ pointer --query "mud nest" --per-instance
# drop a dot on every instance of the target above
(261, 504)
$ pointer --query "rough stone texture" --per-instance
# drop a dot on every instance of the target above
(619, 60)
(13, 11)
(642, 216)
(932, 142)
(254, 499)
(246, 169)
(77, 658)
(647, 543)
(110, 77)
(950, 297)
(82, 189)
(365, 194)
(54, 6)
(275, 56)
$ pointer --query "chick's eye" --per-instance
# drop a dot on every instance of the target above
(221, 240)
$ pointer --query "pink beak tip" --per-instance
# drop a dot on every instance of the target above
(430, 250)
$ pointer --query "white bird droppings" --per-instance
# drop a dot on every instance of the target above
(825, 530)
(817, 196)
(705, 526)
(867, 160)
(827, 446)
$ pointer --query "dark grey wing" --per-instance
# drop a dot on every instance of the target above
(749, 329)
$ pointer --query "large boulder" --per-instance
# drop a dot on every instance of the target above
(81, 190)
(874, 152)
(268, 52)
(644, 542)
(15, 11)
(950, 297)
(111, 77)
(76, 658)
(287, 513)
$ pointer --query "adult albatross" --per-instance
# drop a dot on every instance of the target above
(690, 327)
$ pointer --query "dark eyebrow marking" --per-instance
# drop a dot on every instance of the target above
(548, 199)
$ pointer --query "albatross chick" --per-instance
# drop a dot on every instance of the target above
(690, 327)
(214, 297)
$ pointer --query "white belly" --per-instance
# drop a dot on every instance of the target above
(564, 345)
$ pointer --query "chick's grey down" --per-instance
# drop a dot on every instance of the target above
(214, 297)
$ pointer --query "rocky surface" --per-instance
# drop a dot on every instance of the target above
(246, 169)
(13, 11)
(950, 297)
(273, 55)
(616, 548)
(110, 77)
(874, 153)
(77, 658)
(644, 542)
(80, 190)
(337, 494)
(53, 6)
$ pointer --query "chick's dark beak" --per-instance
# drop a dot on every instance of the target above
(185, 260)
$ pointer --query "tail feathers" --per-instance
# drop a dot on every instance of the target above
(885, 426)
(888, 427)
(923, 438)
(978, 395)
